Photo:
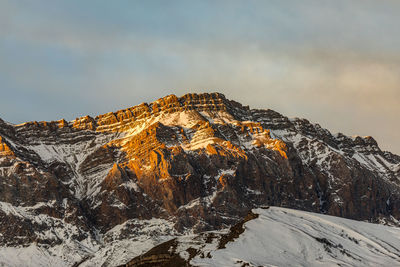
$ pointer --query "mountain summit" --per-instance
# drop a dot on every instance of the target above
(103, 190)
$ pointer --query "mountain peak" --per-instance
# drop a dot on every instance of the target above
(168, 104)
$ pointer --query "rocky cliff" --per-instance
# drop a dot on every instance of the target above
(194, 163)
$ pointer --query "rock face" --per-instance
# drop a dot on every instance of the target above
(200, 160)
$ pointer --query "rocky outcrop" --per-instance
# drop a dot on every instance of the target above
(5, 149)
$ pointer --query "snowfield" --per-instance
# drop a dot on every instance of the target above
(286, 237)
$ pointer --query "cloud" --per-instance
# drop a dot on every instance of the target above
(333, 63)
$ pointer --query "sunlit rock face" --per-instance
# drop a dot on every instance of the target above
(200, 160)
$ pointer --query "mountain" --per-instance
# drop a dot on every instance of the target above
(100, 191)
(282, 237)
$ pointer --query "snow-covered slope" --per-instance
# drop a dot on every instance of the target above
(113, 248)
(287, 237)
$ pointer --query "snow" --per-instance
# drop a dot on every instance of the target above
(315, 151)
(376, 163)
(131, 185)
(74, 156)
(201, 143)
(184, 255)
(116, 247)
(218, 117)
(225, 172)
(186, 120)
(207, 200)
(65, 254)
(28, 256)
(191, 204)
(254, 192)
(121, 247)
(286, 237)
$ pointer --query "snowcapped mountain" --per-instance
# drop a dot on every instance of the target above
(100, 191)
(283, 237)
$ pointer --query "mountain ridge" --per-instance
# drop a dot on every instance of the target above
(153, 108)
(194, 163)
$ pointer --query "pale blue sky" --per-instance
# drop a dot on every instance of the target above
(334, 62)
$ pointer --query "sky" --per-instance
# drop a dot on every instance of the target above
(336, 63)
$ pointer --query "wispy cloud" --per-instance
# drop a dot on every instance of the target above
(336, 62)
